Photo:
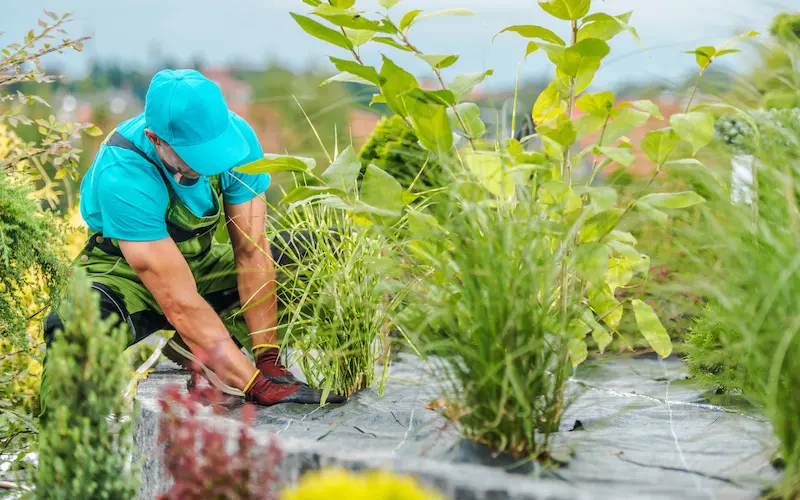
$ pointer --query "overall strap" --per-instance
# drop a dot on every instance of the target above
(118, 140)
(179, 234)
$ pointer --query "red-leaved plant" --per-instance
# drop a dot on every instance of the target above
(196, 455)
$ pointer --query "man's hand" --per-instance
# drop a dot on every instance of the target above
(164, 271)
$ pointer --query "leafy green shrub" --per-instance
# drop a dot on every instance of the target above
(710, 352)
(394, 147)
(86, 441)
(31, 255)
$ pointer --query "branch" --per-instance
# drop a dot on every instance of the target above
(438, 73)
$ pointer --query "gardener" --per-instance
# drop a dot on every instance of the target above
(153, 199)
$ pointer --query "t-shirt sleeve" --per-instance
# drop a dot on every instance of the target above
(239, 187)
(132, 209)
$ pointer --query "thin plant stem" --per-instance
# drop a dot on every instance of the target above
(438, 74)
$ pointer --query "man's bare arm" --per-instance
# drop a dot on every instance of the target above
(164, 271)
(246, 225)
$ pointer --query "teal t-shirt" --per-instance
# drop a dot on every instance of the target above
(125, 198)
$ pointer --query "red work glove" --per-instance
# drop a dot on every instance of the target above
(268, 362)
(262, 390)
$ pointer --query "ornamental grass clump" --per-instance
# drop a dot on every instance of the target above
(337, 291)
(489, 314)
(756, 284)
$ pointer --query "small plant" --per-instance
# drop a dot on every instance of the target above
(199, 458)
(377, 485)
(335, 303)
(488, 309)
(86, 440)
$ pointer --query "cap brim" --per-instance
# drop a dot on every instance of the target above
(218, 155)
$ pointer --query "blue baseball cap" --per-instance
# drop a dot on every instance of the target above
(188, 111)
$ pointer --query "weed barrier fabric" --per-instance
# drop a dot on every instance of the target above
(636, 428)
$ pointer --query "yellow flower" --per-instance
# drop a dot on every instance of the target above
(338, 483)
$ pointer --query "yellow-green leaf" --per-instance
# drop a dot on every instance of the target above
(491, 173)
(439, 61)
(462, 85)
(382, 191)
(652, 329)
(408, 18)
(606, 306)
(548, 105)
(567, 10)
(683, 199)
(591, 262)
(578, 352)
(322, 32)
(344, 170)
(600, 224)
(531, 31)
(696, 127)
(272, 163)
(620, 273)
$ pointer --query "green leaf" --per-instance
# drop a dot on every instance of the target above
(620, 273)
(561, 130)
(531, 48)
(648, 106)
(657, 145)
(531, 31)
(601, 337)
(560, 196)
(444, 97)
(366, 72)
(730, 43)
(591, 262)
(446, 12)
(322, 32)
(599, 104)
(652, 329)
(603, 197)
(683, 199)
(304, 192)
(548, 105)
(377, 98)
(491, 173)
(578, 352)
(343, 4)
(599, 224)
(346, 18)
(623, 156)
(408, 18)
(622, 236)
(359, 37)
(588, 124)
(704, 55)
(421, 225)
(584, 56)
(606, 306)
(439, 61)
(382, 191)
(272, 163)
(696, 127)
(568, 10)
(396, 81)
(343, 172)
(94, 131)
(346, 77)
(606, 27)
(388, 4)
(471, 114)
(638, 261)
(462, 85)
(655, 214)
(622, 125)
(391, 42)
(432, 127)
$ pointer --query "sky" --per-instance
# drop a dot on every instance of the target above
(255, 31)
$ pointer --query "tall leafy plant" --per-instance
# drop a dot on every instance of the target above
(595, 259)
